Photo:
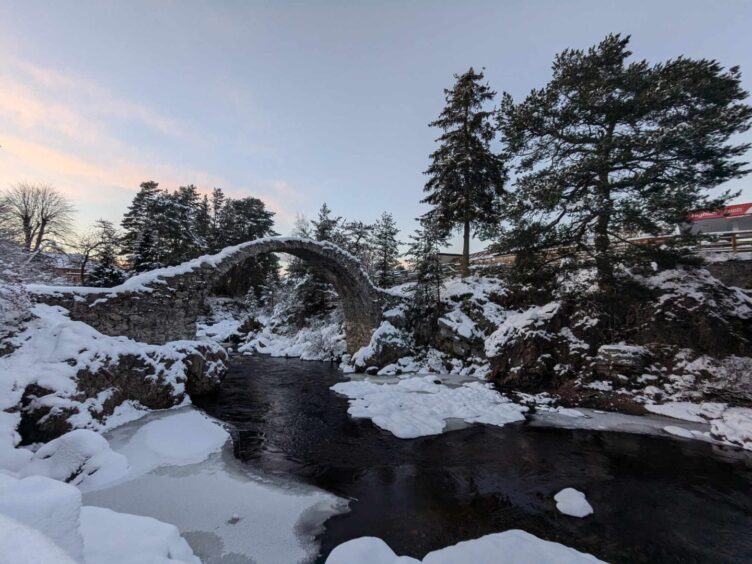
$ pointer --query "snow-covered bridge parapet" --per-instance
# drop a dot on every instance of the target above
(163, 305)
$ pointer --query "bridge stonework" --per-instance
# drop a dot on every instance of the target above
(163, 305)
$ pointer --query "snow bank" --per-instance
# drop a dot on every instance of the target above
(512, 547)
(21, 544)
(418, 406)
(119, 538)
(323, 341)
(81, 457)
(570, 501)
(49, 506)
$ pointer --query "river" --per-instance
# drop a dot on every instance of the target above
(655, 499)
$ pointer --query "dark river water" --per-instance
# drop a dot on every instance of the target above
(655, 499)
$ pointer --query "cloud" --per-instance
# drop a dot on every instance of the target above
(65, 130)
(99, 102)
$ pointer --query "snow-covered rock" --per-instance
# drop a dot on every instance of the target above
(80, 457)
(510, 547)
(735, 426)
(570, 501)
(72, 376)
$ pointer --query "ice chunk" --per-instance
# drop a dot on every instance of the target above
(570, 501)
(418, 406)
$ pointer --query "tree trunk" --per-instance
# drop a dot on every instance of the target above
(465, 263)
(601, 240)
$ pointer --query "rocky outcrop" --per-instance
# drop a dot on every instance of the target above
(677, 330)
(150, 381)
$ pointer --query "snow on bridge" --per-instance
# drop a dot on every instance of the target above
(163, 305)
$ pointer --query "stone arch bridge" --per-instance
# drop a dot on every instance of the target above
(163, 305)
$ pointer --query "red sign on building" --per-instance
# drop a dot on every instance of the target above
(729, 211)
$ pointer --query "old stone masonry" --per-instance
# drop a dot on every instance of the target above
(163, 305)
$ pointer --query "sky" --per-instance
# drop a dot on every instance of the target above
(296, 103)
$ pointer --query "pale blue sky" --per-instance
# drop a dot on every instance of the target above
(294, 102)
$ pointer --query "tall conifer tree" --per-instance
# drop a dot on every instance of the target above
(466, 178)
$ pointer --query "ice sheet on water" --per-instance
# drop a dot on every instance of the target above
(223, 511)
(419, 406)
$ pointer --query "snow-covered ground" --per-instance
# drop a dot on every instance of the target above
(510, 547)
(173, 467)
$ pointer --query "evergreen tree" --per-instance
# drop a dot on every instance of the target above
(203, 224)
(611, 147)
(325, 226)
(216, 238)
(385, 250)
(357, 241)
(466, 177)
(137, 218)
(240, 221)
(423, 251)
(145, 256)
(106, 271)
(315, 296)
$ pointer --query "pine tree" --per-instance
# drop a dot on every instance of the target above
(385, 250)
(216, 237)
(106, 271)
(137, 217)
(203, 224)
(245, 220)
(466, 181)
(325, 226)
(423, 251)
(610, 148)
(357, 241)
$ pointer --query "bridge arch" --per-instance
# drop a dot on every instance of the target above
(163, 305)
(362, 302)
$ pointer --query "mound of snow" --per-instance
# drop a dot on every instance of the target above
(49, 506)
(81, 457)
(418, 406)
(570, 501)
(178, 439)
(510, 547)
(21, 544)
(120, 538)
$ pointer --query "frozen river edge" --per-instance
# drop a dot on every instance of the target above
(226, 513)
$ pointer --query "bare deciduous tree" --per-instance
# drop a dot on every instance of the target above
(35, 213)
